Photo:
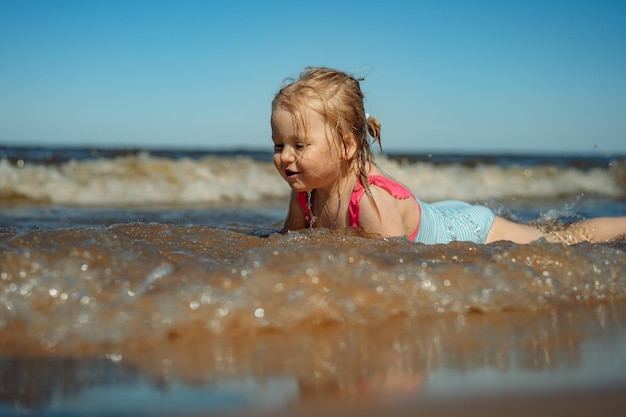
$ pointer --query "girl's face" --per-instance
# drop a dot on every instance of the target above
(306, 159)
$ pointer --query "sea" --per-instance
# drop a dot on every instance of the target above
(150, 282)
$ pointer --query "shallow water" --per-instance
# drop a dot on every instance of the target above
(154, 319)
(156, 285)
(477, 364)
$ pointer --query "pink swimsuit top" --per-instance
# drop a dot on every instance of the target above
(395, 189)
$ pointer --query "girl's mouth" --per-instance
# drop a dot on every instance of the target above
(289, 173)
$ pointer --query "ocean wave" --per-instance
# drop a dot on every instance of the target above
(144, 179)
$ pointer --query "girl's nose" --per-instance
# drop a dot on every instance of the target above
(287, 155)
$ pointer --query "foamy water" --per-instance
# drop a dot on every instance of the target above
(134, 281)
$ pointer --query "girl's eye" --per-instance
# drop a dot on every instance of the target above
(278, 147)
(299, 146)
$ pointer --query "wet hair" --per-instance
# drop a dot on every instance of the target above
(338, 98)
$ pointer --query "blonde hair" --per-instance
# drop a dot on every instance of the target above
(338, 98)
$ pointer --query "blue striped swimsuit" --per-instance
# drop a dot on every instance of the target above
(449, 221)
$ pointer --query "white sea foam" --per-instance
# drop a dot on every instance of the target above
(431, 183)
(144, 179)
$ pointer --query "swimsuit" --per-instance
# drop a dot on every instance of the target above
(449, 221)
(440, 222)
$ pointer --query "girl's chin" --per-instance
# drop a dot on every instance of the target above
(299, 189)
(296, 185)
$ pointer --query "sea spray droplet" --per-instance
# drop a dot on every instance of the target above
(114, 357)
(156, 274)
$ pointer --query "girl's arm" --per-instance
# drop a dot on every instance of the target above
(295, 215)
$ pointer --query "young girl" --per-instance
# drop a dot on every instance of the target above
(321, 148)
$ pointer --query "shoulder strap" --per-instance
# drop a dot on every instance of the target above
(355, 208)
(302, 200)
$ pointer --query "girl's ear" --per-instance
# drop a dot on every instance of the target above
(349, 148)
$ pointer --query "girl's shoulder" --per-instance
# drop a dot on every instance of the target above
(384, 191)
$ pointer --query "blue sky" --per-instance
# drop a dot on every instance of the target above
(470, 76)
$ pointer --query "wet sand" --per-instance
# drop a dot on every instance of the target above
(570, 361)
(590, 402)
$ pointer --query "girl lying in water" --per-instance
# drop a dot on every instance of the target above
(321, 148)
